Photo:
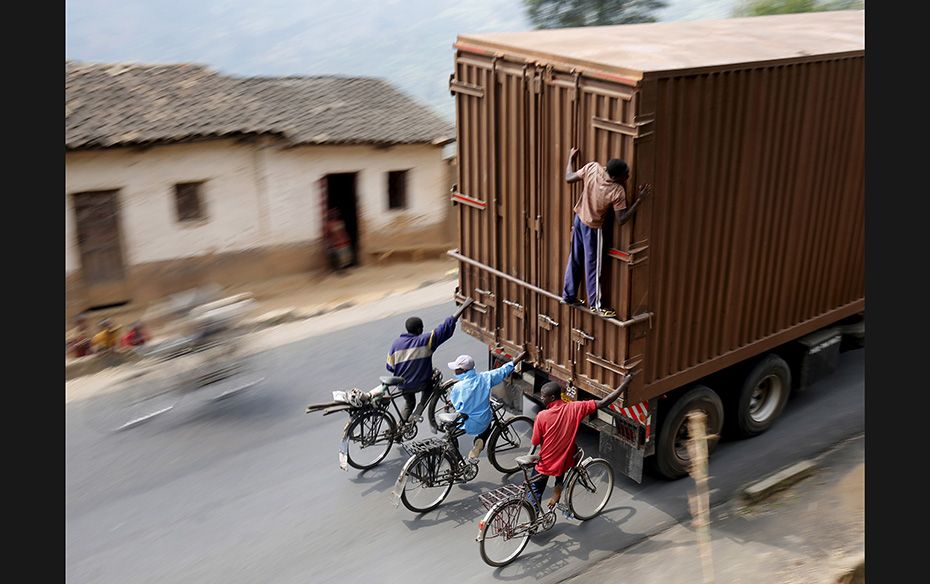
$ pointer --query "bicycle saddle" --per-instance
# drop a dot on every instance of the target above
(391, 380)
(527, 460)
(446, 418)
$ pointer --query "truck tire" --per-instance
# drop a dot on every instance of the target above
(671, 458)
(761, 398)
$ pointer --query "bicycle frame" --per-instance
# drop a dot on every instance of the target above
(535, 500)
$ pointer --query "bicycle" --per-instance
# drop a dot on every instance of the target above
(515, 512)
(207, 356)
(371, 430)
(435, 464)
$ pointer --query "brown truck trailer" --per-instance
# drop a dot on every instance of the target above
(743, 273)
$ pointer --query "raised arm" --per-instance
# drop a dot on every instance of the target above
(612, 396)
(571, 175)
(444, 331)
(501, 373)
(624, 215)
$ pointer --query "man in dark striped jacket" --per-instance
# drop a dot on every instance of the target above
(411, 357)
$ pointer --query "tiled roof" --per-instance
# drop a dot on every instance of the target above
(110, 105)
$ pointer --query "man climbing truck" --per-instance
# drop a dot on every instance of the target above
(741, 275)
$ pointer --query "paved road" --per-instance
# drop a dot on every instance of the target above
(250, 491)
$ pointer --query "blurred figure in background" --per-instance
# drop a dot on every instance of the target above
(338, 245)
(135, 337)
(106, 340)
(79, 341)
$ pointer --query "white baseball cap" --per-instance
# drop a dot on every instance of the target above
(463, 362)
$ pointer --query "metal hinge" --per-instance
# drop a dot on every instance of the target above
(517, 308)
(546, 323)
(580, 337)
(466, 88)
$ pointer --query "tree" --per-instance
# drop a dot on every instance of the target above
(574, 13)
(767, 7)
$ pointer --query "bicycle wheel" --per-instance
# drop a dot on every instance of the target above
(505, 531)
(439, 402)
(509, 441)
(133, 399)
(370, 437)
(590, 488)
(429, 479)
(222, 372)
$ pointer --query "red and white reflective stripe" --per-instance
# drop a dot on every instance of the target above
(620, 255)
(471, 201)
(638, 412)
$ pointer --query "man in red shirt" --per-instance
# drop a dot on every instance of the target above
(554, 432)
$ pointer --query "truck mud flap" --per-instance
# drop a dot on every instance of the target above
(624, 456)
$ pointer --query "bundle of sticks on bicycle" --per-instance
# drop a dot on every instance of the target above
(514, 511)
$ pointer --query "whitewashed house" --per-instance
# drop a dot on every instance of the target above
(177, 176)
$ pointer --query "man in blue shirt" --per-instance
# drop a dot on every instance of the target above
(472, 396)
(411, 357)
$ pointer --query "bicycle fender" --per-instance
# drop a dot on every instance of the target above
(398, 489)
(401, 482)
(487, 517)
(344, 446)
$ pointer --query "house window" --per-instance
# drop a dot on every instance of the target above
(397, 189)
(189, 201)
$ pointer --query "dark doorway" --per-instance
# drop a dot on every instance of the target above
(341, 196)
(100, 243)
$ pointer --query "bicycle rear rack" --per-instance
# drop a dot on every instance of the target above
(504, 493)
(425, 445)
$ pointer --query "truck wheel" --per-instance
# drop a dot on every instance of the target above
(671, 456)
(762, 397)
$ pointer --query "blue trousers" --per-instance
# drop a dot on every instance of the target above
(587, 253)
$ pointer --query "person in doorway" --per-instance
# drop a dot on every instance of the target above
(411, 357)
(472, 396)
(554, 431)
(602, 189)
(338, 244)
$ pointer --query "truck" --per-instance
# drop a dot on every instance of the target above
(742, 275)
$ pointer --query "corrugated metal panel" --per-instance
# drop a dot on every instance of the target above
(511, 170)
(757, 226)
(475, 197)
(606, 129)
(557, 131)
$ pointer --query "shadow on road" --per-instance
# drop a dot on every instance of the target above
(567, 543)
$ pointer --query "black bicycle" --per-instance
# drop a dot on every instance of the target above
(515, 512)
(435, 464)
(372, 429)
